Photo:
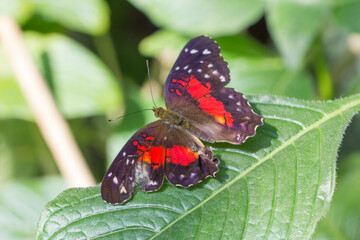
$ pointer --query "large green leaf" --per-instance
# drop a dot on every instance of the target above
(88, 16)
(202, 16)
(294, 25)
(276, 185)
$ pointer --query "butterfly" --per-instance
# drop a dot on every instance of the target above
(198, 106)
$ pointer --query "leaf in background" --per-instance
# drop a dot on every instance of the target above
(354, 86)
(88, 16)
(162, 41)
(268, 75)
(214, 18)
(293, 26)
(254, 69)
(23, 151)
(277, 185)
(22, 201)
(343, 219)
(81, 83)
(20, 10)
(347, 15)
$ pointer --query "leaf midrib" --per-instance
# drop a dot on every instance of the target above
(287, 143)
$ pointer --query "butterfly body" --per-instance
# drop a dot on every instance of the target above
(198, 106)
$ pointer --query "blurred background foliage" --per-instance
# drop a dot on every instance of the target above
(92, 54)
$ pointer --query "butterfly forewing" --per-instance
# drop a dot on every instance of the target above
(199, 95)
(201, 59)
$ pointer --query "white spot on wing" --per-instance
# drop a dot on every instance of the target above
(201, 61)
(215, 72)
(222, 78)
(231, 96)
(206, 51)
(123, 190)
(124, 154)
(127, 161)
(181, 177)
(210, 65)
(199, 70)
(177, 68)
(238, 103)
(115, 180)
(206, 76)
(193, 51)
(186, 49)
(238, 137)
(110, 173)
(189, 71)
(153, 183)
(186, 67)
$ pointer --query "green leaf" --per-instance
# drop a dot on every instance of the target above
(275, 186)
(293, 26)
(81, 83)
(20, 10)
(343, 219)
(202, 17)
(161, 41)
(88, 16)
(347, 15)
(21, 202)
(269, 75)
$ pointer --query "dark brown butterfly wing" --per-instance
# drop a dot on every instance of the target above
(195, 90)
(156, 150)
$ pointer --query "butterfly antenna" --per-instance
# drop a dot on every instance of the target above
(148, 71)
(143, 110)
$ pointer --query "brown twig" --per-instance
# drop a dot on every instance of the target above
(52, 125)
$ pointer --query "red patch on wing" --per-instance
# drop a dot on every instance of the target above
(155, 156)
(181, 155)
(206, 102)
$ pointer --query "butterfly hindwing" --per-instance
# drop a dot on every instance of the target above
(155, 151)
(140, 162)
(188, 161)
(217, 113)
